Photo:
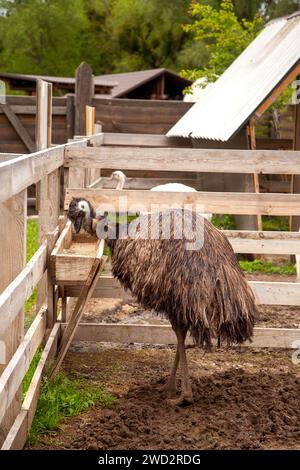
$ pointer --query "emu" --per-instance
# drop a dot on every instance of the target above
(201, 291)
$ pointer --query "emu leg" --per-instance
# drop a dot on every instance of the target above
(171, 383)
(186, 396)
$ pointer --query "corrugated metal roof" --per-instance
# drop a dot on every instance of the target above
(245, 85)
(128, 81)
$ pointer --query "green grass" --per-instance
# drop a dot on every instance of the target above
(31, 247)
(32, 238)
(260, 266)
(28, 377)
(60, 398)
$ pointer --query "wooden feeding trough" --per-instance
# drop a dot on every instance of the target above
(72, 257)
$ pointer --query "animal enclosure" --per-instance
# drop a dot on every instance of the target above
(61, 264)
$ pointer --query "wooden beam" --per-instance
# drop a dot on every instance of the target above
(163, 334)
(17, 435)
(84, 296)
(143, 140)
(283, 243)
(217, 203)
(13, 375)
(187, 160)
(295, 221)
(84, 93)
(19, 173)
(267, 293)
(12, 299)
(18, 127)
(290, 77)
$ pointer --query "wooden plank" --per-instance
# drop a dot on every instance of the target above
(295, 221)
(283, 243)
(288, 79)
(47, 188)
(163, 334)
(267, 293)
(252, 146)
(211, 202)
(12, 376)
(274, 144)
(31, 109)
(18, 433)
(173, 105)
(70, 116)
(143, 183)
(12, 299)
(18, 100)
(181, 159)
(13, 214)
(84, 92)
(18, 126)
(85, 295)
(19, 173)
(64, 240)
(143, 140)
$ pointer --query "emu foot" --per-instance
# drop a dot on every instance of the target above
(169, 388)
(183, 401)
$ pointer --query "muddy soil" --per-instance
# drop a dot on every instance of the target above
(244, 399)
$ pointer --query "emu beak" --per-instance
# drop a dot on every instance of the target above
(78, 222)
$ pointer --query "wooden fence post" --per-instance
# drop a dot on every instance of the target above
(295, 222)
(49, 192)
(13, 214)
(84, 93)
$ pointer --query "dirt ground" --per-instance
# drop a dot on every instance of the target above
(244, 398)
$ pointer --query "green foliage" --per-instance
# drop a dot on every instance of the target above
(280, 224)
(260, 266)
(147, 34)
(54, 36)
(224, 35)
(42, 36)
(61, 398)
(278, 8)
(223, 222)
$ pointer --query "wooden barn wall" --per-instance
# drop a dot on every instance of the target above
(25, 109)
(123, 115)
(139, 116)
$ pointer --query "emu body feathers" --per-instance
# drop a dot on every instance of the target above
(202, 290)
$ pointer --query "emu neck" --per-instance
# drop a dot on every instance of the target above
(114, 234)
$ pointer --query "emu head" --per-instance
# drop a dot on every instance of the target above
(81, 212)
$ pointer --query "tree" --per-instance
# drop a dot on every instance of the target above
(147, 33)
(224, 35)
(42, 36)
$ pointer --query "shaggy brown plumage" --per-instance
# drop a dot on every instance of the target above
(202, 290)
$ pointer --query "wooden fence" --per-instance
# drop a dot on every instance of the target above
(148, 156)
(17, 125)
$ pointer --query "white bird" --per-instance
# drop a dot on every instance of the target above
(120, 177)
